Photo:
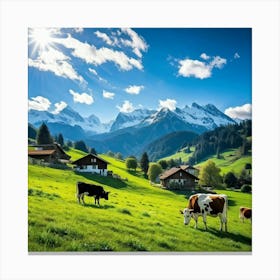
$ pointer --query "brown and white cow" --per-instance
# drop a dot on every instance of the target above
(245, 213)
(206, 204)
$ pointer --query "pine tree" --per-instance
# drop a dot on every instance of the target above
(43, 135)
(80, 145)
(230, 180)
(60, 140)
(144, 163)
(92, 151)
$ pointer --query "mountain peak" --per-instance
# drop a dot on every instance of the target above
(195, 105)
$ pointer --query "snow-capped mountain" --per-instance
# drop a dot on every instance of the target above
(124, 120)
(152, 123)
(207, 116)
(69, 117)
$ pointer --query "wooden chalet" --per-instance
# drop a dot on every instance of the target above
(91, 163)
(192, 170)
(178, 178)
(48, 153)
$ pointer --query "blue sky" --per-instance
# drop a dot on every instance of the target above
(104, 71)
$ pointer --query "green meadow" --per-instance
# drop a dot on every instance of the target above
(229, 160)
(137, 216)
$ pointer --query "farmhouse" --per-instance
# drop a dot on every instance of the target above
(91, 163)
(189, 168)
(178, 178)
(48, 152)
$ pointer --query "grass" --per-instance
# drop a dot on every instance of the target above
(229, 161)
(137, 216)
(181, 154)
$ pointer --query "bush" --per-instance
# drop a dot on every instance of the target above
(246, 189)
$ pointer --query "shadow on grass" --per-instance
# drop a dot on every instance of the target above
(136, 173)
(233, 236)
(231, 202)
(112, 182)
(98, 207)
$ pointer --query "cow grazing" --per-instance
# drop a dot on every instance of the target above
(206, 204)
(90, 190)
(245, 213)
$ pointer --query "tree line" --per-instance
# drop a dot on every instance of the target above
(43, 136)
(220, 139)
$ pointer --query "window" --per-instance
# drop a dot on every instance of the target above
(180, 175)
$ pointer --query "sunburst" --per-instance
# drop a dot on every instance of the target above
(41, 38)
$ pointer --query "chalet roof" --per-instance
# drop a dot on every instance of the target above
(174, 170)
(49, 147)
(188, 167)
(41, 152)
(91, 156)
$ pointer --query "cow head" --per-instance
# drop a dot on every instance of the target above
(187, 215)
(105, 195)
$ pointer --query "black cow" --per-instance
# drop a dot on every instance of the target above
(90, 190)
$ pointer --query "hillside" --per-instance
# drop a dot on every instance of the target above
(181, 154)
(230, 160)
(137, 216)
(168, 144)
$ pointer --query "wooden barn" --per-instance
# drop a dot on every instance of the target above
(178, 178)
(91, 163)
(48, 153)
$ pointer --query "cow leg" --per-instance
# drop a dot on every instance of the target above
(223, 220)
(204, 221)
(78, 198)
(195, 217)
(82, 198)
(96, 199)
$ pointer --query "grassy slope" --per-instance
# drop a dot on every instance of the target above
(181, 154)
(137, 216)
(229, 160)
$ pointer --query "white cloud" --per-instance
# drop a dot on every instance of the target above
(59, 107)
(126, 107)
(96, 74)
(93, 71)
(55, 61)
(81, 97)
(236, 56)
(194, 68)
(217, 62)
(108, 95)
(136, 42)
(134, 89)
(104, 37)
(204, 56)
(91, 54)
(200, 69)
(168, 103)
(240, 112)
(39, 103)
(78, 29)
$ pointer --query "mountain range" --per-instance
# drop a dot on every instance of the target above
(130, 132)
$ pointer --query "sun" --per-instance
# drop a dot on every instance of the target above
(41, 38)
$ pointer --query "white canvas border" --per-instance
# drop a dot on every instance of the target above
(17, 16)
